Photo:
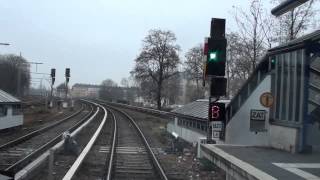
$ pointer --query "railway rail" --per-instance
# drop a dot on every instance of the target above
(133, 156)
(18, 153)
(155, 112)
(128, 154)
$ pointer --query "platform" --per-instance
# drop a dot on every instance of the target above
(243, 162)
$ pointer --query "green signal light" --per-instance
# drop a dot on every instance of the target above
(213, 56)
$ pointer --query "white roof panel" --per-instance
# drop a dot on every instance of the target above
(7, 98)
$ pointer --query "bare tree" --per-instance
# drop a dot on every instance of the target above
(157, 62)
(109, 90)
(172, 90)
(109, 83)
(295, 22)
(124, 82)
(251, 31)
(194, 69)
(14, 74)
(237, 64)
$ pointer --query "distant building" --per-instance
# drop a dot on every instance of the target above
(10, 111)
(85, 90)
(61, 91)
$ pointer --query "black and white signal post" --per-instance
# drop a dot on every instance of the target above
(53, 78)
(214, 71)
(67, 74)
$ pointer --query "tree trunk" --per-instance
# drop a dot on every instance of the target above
(159, 96)
(254, 45)
(198, 91)
(291, 35)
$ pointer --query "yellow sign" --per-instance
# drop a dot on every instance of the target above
(266, 99)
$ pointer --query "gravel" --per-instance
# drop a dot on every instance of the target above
(179, 165)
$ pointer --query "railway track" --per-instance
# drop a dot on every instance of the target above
(38, 122)
(125, 154)
(16, 154)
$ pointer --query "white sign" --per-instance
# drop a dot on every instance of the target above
(215, 134)
(216, 125)
(257, 115)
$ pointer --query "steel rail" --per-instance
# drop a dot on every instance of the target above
(39, 131)
(27, 159)
(113, 147)
(77, 164)
(28, 171)
(154, 159)
(155, 112)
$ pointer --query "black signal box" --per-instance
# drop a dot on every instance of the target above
(216, 57)
(218, 87)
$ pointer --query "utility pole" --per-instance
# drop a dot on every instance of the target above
(53, 78)
(19, 66)
(67, 75)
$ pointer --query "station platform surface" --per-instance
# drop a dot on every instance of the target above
(246, 162)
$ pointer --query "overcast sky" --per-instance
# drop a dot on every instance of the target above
(100, 39)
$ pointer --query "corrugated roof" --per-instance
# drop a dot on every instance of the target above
(198, 108)
(7, 98)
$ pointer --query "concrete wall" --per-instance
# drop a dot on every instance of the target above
(184, 133)
(284, 138)
(313, 136)
(238, 129)
(276, 136)
(10, 120)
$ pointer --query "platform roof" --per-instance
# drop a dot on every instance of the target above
(6, 98)
(296, 43)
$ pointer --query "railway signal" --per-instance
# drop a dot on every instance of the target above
(216, 57)
(215, 49)
(217, 112)
(214, 68)
(53, 75)
(218, 87)
(67, 74)
(53, 78)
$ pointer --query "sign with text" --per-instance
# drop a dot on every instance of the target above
(257, 120)
(217, 125)
(215, 134)
(217, 111)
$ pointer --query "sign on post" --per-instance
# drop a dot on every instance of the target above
(217, 125)
(266, 99)
(257, 120)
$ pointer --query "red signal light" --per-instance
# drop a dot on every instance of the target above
(215, 112)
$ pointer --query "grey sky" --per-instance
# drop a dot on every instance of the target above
(99, 39)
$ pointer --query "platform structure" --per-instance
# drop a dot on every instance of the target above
(190, 121)
(273, 123)
(248, 162)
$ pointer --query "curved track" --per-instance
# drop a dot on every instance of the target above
(121, 152)
(131, 156)
(16, 154)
